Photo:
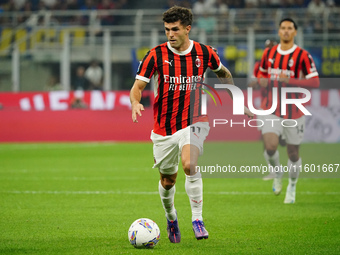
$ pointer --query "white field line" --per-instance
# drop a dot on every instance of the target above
(228, 193)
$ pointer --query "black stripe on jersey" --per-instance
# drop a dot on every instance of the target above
(205, 61)
(263, 66)
(297, 64)
(271, 85)
(304, 67)
(160, 88)
(181, 95)
(149, 67)
(212, 59)
(279, 85)
(296, 73)
(170, 94)
(289, 95)
(192, 92)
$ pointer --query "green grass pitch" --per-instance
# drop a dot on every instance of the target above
(80, 198)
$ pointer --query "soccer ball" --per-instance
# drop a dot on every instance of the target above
(144, 233)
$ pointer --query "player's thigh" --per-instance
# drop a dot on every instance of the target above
(272, 124)
(166, 153)
(294, 130)
(189, 156)
(271, 130)
(194, 134)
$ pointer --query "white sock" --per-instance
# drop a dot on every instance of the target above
(274, 161)
(294, 171)
(194, 189)
(167, 198)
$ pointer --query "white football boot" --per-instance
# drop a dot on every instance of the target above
(277, 186)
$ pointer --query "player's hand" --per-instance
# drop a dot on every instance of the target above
(283, 78)
(253, 84)
(137, 109)
(248, 112)
(263, 82)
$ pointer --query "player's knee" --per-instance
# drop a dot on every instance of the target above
(293, 156)
(168, 183)
(270, 151)
(189, 167)
(293, 153)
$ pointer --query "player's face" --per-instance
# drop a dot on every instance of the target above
(177, 34)
(287, 31)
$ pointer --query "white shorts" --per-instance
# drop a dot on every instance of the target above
(291, 130)
(167, 149)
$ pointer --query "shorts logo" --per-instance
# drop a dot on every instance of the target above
(197, 62)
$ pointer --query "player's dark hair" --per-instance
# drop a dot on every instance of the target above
(177, 13)
(290, 20)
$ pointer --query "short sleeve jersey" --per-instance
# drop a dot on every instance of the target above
(178, 79)
(296, 63)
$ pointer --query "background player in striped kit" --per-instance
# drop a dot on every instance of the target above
(180, 129)
(255, 84)
(284, 65)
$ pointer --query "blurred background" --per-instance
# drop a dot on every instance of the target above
(57, 55)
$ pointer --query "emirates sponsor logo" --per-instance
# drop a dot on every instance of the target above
(275, 72)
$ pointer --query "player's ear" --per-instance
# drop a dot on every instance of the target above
(188, 28)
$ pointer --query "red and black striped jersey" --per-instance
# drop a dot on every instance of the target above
(297, 64)
(178, 77)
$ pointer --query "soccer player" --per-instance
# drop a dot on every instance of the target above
(285, 65)
(254, 84)
(179, 130)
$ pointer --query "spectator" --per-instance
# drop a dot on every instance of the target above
(199, 7)
(221, 7)
(299, 4)
(88, 5)
(207, 23)
(316, 8)
(106, 19)
(80, 82)
(72, 5)
(285, 4)
(251, 3)
(53, 84)
(94, 74)
(50, 4)
(18, 4)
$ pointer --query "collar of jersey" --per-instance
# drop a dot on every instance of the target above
(285, 52)
(181, 52)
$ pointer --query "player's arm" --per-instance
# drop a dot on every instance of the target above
(135, 97)
(254, 82)
(313, 82)
(262, 76)
(225, 77)
(311, 76)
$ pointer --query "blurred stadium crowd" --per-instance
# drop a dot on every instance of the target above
(197, 5)
(206, 11)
